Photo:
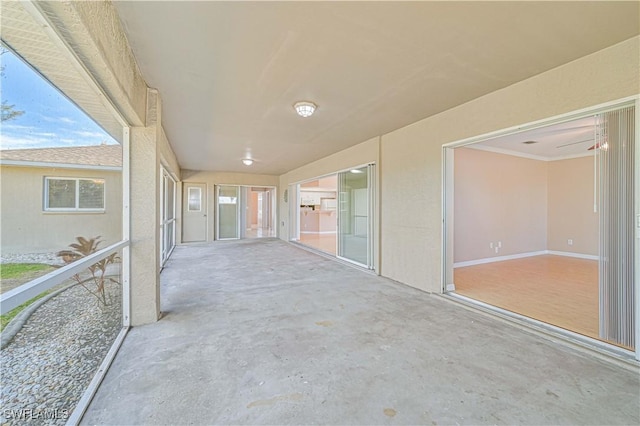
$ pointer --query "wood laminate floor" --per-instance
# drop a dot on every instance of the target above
(322, 242)
(558, 290)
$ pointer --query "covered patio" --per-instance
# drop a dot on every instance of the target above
(263, 332)
(201, 96)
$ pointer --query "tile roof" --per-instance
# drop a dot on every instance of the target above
(96, 155)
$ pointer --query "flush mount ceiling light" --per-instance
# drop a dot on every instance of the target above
(247, 161)
(304, 108)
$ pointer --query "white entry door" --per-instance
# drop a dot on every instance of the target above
(194, 217)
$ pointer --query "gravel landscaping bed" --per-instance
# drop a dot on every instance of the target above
(51, 361)
(45, 258)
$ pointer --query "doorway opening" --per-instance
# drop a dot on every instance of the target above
(541, 223)
(318, 215)
(245, 212)
(335, 214)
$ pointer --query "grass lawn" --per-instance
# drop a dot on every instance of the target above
(6, 318)
(16, 270)
(13, 275)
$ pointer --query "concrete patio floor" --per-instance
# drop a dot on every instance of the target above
(263, 332)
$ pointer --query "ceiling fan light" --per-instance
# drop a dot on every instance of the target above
(305, 108)
(247, 161)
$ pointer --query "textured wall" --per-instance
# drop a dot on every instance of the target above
(145, 216)
(27, 228)
(94, 33)
(412, 156)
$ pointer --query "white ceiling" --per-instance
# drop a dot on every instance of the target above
(229, 72)
(565, 140)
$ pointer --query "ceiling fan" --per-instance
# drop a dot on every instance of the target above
(576, 143)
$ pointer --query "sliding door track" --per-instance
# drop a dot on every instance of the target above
(600, 349)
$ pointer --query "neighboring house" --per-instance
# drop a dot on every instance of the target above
(52, 195)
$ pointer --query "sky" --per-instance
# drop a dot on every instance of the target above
(49, 119)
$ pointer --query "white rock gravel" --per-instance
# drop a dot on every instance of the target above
(51, 361)
(46, 258)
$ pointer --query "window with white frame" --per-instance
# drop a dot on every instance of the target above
(73, 194)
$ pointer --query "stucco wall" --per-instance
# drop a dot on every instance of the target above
(94, 32)
(27, 228)
(411, 157)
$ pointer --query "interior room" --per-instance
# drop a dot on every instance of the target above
(526, 224)
(259, 213)
(334, 215)
(318, 216)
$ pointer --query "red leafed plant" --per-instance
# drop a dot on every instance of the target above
(95, 282)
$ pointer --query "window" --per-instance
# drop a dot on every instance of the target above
(72, 194)
(227, 200)
(195, 199)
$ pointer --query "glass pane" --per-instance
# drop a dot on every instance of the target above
(228, 212)
(63, 342)
(195, 199)
(91, 194)
(61, 194)
(170, 207)
(353, 231)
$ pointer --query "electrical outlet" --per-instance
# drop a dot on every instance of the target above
(499, 244)
(570, 241)
(490, 245)
(497, 249)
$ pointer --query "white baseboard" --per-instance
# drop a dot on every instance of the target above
(522, 255)
(498, 259)
(569, 254)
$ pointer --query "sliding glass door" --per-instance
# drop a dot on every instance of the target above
(167, 215)
(228, 212)
(355, 216)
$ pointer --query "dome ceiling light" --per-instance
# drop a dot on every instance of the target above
(247, 161)
(305, 108)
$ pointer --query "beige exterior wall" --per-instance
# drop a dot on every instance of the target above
(211, 179)
(498, 198)
(570, 207)
(27, 228)
(411, 167)
(94, 32)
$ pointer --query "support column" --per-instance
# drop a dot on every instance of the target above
(145, 215)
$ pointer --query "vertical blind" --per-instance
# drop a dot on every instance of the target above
(615, 145)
